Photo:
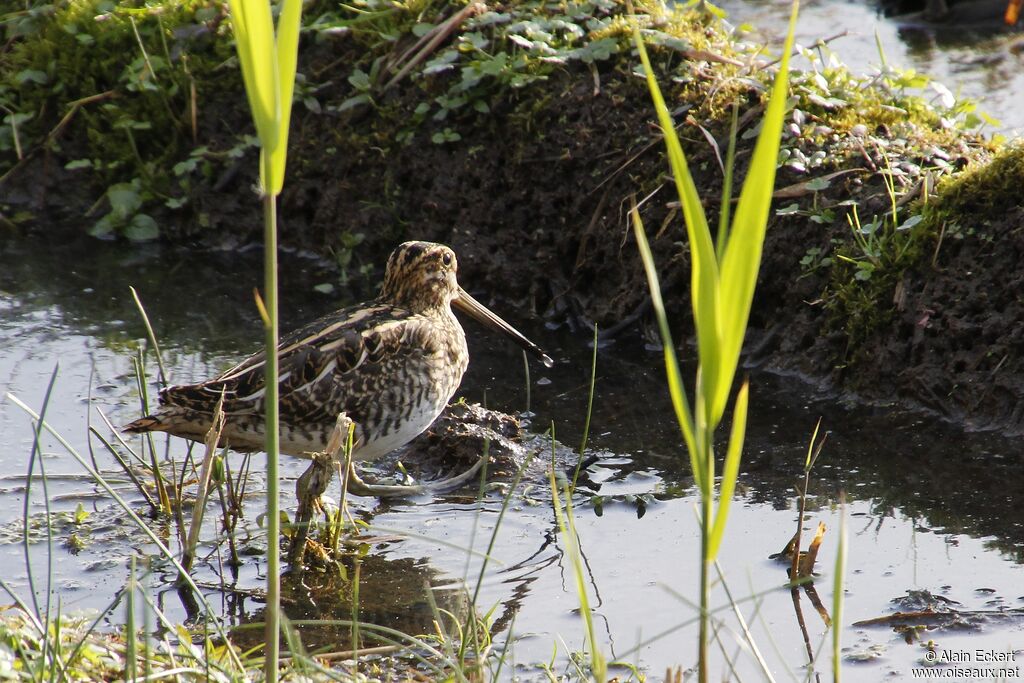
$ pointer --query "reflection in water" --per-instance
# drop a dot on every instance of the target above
(403, 594)
(931, 507)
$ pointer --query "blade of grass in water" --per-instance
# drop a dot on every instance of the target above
(730, 469)
(526, 374)
(747, 635)
(273, 439)
(721, 294)
(837, 594)
(268, 70)
(154, 466)
(677, 391)
(36, 454)
(33, 454)
(590, 411)
(131, 656)
(506, 499)
(567, 525)
(120, 461)
(164, 377)
(142, 526)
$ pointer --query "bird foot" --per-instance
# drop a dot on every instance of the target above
(358, 487)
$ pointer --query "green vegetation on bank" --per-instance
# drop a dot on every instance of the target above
(112, 92)
(137, 111)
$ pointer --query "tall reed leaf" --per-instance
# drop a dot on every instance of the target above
(704, 264)
(268, 69)
(253, 26)
(287, 62)
(837, 594)
(676, 389)
(722, 293)
(730, 469)
(742, 257)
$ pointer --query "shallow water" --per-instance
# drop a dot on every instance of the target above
(979, 62)
(930, 508)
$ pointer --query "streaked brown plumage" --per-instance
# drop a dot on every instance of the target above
(391, 365)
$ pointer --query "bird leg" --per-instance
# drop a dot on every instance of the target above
(309, 487)
(314, 481)
(312, 484)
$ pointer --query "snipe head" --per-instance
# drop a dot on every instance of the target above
(421, 277)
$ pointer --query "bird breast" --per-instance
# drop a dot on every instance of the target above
(419, 388)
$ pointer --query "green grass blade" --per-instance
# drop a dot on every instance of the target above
(287, 57)
(725, 212)
(254, 38)
(164, 377)
(742, 257)
(272, 445)
(567, 526)
(675, 379)
(590, 412)
(37, 454)
(810, 447)
(704, 264)
(730, 470)
(837, 595)
(131, 658)
(505, 501)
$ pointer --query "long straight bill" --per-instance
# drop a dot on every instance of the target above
(480, 313)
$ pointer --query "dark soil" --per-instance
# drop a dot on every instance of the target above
(534, 199)
(955, 340)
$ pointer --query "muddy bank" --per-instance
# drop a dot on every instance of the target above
(950, 329)
(525, 164)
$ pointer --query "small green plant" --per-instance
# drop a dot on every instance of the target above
(125, 216)
(884, 240)
(839, 571)
(813, 260)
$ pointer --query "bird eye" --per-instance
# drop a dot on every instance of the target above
(446, 259)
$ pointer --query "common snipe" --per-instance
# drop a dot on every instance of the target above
(389, 365)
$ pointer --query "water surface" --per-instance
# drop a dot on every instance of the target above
(930, 511)
(981, 62)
